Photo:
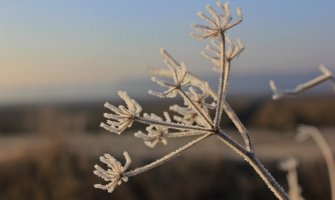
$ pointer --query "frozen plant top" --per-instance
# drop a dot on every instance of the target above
(202, 109)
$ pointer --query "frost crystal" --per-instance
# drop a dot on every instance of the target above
(178, 72)
(218, 23)
(114, 174)
(122, 117)
(190, 78)
(156, 133)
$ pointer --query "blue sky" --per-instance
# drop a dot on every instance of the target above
(59, 44)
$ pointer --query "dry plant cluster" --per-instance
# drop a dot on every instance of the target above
(202, 111)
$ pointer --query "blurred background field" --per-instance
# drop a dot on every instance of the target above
(47, 151)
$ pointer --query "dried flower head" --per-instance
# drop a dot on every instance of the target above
(187, 115)
(179, 75)
(121, 118)
(200, 99)
(114, 174)
(156, 133)
(218, 24)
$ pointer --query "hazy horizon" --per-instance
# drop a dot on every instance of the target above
(240, 85)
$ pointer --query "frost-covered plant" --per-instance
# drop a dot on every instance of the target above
(193, 118)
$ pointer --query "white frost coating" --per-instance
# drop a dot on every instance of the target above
(325, 75)
(187, 116)
(114, 173)
(198, 100)
(167, 157)
(239, 12)
(121, 118)
(173, 64)
(156, 133)
(206, 18)
(218, 24)
(213, 12)
(179, 75)
(227, 10)
(159, 134)
(197, 106)
(232, 51)
(214, 59)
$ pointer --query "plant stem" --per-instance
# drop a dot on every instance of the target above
(256, 165)
(325, 76)
(166, 158)
(171, 125)
(239, 125)
(196, 108)
(218, 111)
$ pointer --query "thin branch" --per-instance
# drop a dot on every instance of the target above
(166, 158)
(231, 114)
(256, 165)
(171, 125)
(196, 108)
(325, 75)
(234, 24)
(220, 93)
(226, 80)
(239, 125)
(240, 14)
(185, 134)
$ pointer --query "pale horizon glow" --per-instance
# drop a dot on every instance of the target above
(59, 44)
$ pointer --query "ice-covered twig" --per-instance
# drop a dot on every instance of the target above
(166, 158)
(172, 125)
(239, 125)
(226, 107)
(256, 164)
(159, 133)
(325, 75)
(180, 79)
